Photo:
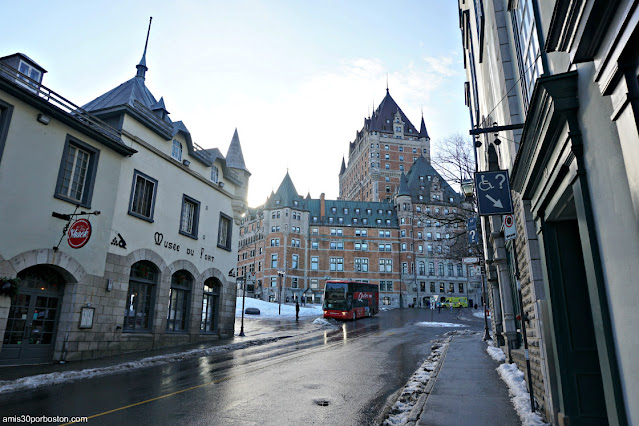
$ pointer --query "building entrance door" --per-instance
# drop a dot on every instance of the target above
(33, 318)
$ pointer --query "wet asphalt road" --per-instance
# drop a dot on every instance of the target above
(345, 375)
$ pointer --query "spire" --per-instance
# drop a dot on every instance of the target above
(423, 133)
(234, 156)
(142, 69)
(386, 82)
(343, 169)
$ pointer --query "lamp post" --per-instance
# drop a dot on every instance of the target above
(280, 274)
(468, 188)
(243, 299)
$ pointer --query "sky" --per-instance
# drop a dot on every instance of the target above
(296, 78)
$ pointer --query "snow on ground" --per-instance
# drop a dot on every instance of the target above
(400, 411)
(496, 353)
(42, 380)
(272, 310)
(480, 315)
(519, 395)
(439, 324)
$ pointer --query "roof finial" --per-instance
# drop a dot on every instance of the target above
(142, 69)
(386, 82)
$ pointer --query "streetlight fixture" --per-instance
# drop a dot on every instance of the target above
(468, 188)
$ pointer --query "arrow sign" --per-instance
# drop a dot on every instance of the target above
(493, 193)
(496, 203)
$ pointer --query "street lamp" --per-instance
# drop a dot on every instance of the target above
(280, 274)
(243, 299)
(468, 188)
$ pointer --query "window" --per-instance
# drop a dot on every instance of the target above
(275, 242)
(314, 231)
(6, 110)
(432, 287)
(431, 268)
(209, 305)
(224, 232)
(140, 300)
(314, 283)
(441, 287)
(179, 301)
(190, 216)
(460, 270)
(404, 268)
(176, 152)
(385, 265)
(527, 47)
(337, 264)
(461, 287)
(451, 288)
(441, 269)
(273, 281)
(295, 242)
(77, 172)
(214, 174)
(314, 245)
(294, 282)
(142, 201)
(314, 263)
(295, 261)
(30, 72)
(422, 268)
(337, 245)
(274, 260)
(386, 286)
(450, 270)
(361, 264)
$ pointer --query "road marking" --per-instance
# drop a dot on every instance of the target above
(283, 359)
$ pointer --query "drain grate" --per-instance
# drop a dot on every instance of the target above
(321, 402)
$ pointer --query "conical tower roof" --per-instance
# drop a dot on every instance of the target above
(234, 156)
(382, 119)
(285, 196)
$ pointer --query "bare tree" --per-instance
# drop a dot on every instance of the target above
(454, 158)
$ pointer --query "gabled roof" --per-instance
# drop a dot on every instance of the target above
(382, 118)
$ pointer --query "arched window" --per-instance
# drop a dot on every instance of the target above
(138, 315)
(209, 305)
(179, 301)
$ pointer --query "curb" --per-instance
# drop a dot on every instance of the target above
(416, 412)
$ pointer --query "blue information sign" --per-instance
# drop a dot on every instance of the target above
(472, 237)
(471, 223)
(493, 193)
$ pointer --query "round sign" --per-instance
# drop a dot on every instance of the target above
(79, 233)
(508, 220)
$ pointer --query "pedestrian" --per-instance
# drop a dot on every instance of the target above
(297, 311)
(451, 308)
(303, 300)
(439, 307)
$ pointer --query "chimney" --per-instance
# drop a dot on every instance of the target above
(322, 205)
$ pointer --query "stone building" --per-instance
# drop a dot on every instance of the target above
(121, 229)
(552, 90)
(406, 240)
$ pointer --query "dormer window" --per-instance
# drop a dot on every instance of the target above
(214, 174)
(176, 153)
(30, 72)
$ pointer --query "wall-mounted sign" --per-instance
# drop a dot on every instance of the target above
(79, 233)
(510, 230)
(86, 317)
(493, 193)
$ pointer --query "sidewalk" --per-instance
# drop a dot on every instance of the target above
(468, 389)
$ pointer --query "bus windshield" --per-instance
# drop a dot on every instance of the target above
(335, 296)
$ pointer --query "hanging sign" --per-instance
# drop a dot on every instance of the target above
(79, 233)
(510, 230)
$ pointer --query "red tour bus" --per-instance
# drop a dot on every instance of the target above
(350, 300)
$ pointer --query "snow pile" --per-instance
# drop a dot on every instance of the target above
(496, 353)
(439, 324)
(480, 315)
(50, 379)
(416, 386)
(519, 395)
(272, 310)
(326, 322)
(461, 333)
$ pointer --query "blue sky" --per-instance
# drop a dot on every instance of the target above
(296, 78)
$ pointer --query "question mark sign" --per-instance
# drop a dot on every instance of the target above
(472, 235)
(503, 179)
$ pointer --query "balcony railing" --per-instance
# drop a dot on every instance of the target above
(26, 83)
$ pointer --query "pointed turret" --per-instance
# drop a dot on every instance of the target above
(142, 69)
(403, 186)
(343, 169)
(423, 133)
(234, 156)
(160, 109)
